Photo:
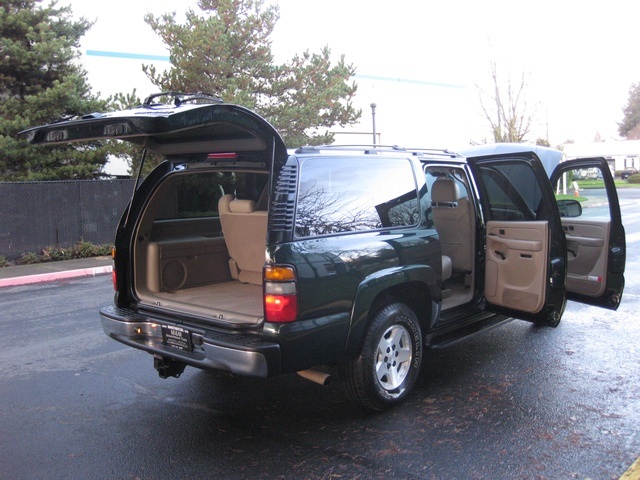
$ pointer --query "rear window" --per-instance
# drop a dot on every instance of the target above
(197, 195)
(339, 194)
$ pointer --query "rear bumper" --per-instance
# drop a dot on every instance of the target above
(237, 353)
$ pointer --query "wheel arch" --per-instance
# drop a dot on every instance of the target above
(413, 286)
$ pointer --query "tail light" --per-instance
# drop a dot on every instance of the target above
(114, 275)
(280, 294)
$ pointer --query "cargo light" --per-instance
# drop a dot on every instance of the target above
(57, 135)
(280, 294)
(215, 156)
(116, 129)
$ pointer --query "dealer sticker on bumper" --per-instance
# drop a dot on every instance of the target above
(176, 337)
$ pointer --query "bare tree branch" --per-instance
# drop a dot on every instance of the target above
(506, 110)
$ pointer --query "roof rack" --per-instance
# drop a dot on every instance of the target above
(355, 147)
(180, 98)
(375, 149)
(433, 151)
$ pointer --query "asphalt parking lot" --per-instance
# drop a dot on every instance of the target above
(517, 402)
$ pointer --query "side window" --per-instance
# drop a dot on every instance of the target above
(512, 192)
(338, 194)
(581, 193)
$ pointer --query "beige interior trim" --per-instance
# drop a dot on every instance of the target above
(516, 264)
(587, 242)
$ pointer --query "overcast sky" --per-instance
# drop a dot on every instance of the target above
(420, 60)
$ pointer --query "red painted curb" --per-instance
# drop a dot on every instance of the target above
(54, 276)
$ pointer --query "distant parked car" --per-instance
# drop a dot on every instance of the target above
(588, 174)
(627, 172)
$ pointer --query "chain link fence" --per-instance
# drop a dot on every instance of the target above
(35, 215)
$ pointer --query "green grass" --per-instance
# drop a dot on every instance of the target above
(562, 196)
(587, 184)
(52, 254)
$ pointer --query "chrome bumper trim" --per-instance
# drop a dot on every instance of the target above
(147, 336)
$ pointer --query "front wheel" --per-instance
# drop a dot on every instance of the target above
(389, 362)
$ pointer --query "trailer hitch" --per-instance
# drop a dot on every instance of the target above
(168, 367)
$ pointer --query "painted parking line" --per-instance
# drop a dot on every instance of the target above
(633, 473)
(55, 276)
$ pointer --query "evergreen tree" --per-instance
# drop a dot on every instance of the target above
(226, 50)
(630, 125)
(40, 81)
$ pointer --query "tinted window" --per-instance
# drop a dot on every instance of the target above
(355, 194)
(512, 191)
(197, 195)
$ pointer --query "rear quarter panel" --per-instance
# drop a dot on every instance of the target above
(339, 279)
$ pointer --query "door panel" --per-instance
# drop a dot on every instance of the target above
(516, 264)
(586, 255)
(525, 256)
(596, 246)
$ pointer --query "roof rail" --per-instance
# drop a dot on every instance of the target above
(367, 148)
(433, 151)
(375, 149)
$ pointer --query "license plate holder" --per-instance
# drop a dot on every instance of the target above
(177, 337)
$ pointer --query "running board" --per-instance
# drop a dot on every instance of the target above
(454, 333)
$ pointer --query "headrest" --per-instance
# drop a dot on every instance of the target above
(242, 206)
(445, 191)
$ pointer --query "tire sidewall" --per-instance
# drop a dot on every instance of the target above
(389, 316)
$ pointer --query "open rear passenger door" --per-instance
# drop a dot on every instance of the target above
(525, 257)
(596, 248)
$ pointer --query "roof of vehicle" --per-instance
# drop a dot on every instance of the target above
(549, 157)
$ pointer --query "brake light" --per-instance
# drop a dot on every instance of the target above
(280, 294)
(280, 308)
(215, 156)
(114, 276)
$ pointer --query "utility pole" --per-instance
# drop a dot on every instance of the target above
(373, 118)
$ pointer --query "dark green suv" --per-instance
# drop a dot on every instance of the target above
(236, 254)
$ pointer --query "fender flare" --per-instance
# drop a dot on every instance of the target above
(384, 280)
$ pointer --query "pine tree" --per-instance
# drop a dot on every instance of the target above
(40, 81)
(630, 125)
(226, 51)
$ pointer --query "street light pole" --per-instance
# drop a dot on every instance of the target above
(373, 118)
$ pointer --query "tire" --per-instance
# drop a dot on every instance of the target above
(552, 322)
(386, 369)
(553, 319)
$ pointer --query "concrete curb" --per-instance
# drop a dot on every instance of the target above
(55, 276)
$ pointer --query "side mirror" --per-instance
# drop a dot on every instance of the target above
(569, 208)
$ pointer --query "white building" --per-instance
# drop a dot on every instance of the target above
(620, 155)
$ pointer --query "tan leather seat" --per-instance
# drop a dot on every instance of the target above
(454, 223)
(245, 230)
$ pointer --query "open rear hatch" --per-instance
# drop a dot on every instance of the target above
(194, 123)
(180, 257)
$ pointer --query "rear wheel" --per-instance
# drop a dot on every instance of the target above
(389, 362)
(552, 319)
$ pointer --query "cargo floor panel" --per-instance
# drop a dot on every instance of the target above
(235, 302)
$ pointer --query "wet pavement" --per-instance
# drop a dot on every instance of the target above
(517, 402)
